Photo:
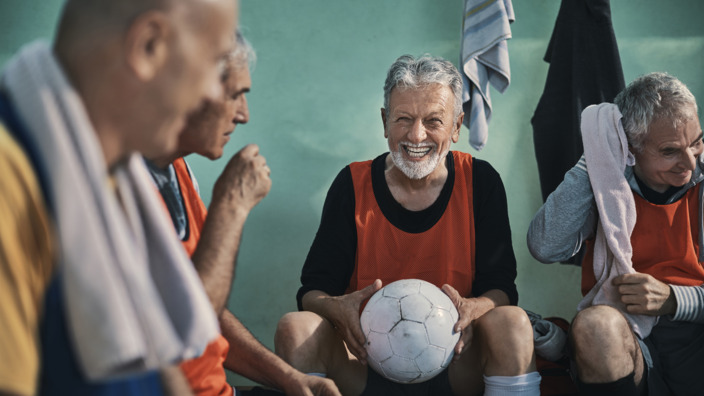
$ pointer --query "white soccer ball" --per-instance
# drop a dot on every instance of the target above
(409, 329)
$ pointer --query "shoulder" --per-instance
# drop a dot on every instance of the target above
(26, 237)
(486, 184)
(26, 230)
(344, 177)
(13, 157)
(480, 168)
(359, 170)
(484, 174)
(26, 264)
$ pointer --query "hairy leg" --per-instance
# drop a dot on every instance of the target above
(604, 347)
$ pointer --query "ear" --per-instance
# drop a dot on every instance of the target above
(458, 126)
(146, 44)
(383, 120)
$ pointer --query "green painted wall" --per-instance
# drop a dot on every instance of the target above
(317, 90)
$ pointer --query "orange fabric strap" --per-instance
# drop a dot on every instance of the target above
(205, 374)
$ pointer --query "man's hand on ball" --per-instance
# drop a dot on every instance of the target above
(469, 310)
(343, 312)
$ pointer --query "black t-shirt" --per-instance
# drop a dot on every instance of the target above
(331, 259)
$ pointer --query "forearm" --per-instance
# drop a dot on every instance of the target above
(567, 218)
(316, 301)
(690, 303)
(489, 300)
(248, 357)
(215, 256)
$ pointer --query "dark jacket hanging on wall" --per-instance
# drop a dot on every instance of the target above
(585, 69)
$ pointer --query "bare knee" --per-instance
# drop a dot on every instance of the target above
(294, 332)
(507, 341)
(603, 345)
(310, 344)
(600, 327)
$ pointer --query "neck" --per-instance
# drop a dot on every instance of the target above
(415, 194)
(165, 161)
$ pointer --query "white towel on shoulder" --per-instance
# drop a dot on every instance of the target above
(606, 153)
(484, 60)
(133, 299)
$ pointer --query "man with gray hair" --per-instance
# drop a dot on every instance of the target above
(639, 331)
(397, 217)
(213, 241)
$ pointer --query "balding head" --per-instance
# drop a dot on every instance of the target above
(81, 17)
(142, 65)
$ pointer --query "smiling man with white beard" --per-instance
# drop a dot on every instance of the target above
(420, 211)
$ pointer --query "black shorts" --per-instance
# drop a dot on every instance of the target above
(674, 358)
(380, 386)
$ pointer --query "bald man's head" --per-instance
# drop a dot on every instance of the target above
(142, 66)
(80, 17)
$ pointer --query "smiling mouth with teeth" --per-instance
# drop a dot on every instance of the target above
(417, 152)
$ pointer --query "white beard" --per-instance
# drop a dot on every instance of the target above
(417, 169)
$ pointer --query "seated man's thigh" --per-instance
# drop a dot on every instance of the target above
(677, 349)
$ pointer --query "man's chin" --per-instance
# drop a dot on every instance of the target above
(212, 155)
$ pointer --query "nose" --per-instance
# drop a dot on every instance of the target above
(241, 110)
(417, 134)
(689, 161)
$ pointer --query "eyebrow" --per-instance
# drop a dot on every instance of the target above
(701, 135)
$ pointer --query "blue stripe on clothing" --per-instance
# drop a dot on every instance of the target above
(690, 303)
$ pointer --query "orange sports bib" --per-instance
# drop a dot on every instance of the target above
(442, 254)
(665, 243)
(205, 374)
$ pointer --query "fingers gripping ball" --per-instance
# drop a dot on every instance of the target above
(409, 329)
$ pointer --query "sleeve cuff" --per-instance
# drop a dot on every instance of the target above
(690, 303)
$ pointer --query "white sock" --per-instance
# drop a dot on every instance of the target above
(526, 384)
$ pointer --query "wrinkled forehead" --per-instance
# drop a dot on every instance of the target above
(429, 96)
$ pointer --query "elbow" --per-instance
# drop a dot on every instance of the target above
(542, 252)
(546, 247)
(541, 256)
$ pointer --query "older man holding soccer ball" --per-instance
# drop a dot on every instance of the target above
(419, 211)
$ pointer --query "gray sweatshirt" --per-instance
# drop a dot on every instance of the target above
(569, 217)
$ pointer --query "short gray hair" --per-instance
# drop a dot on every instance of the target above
(410, 72)
(241, 56)
(650, 98)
